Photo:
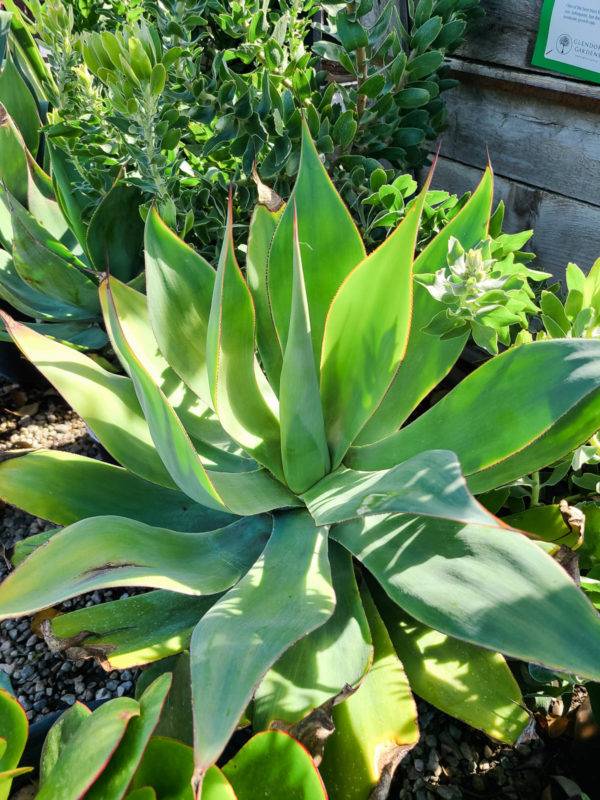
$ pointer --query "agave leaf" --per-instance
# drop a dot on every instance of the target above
(20, 104)
(112, 551)
(71, 201)
(116, 777)
(144, 793)
(262, 229)
(327, 236)
(47, 265)
(427, 358)
(25, 46)
(237, 398)
(87, 752)
(248, 493)
(488, 586)
(115, 234)
(106, 402)
(64, 488)
(467, 682)
(65, 727)
(322, 663)
(176, 718)
(170, 438)
(480, 420)
(430, 484)
(367, 744)
(366, 333)
(180, 286)
(14, 728)
(226, 664)
(303, 442)
(14, 170)
(274, 765)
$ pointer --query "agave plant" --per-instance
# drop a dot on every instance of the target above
(274, 447)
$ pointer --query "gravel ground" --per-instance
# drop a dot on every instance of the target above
(451, 761)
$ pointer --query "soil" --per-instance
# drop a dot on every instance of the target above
(452, 761)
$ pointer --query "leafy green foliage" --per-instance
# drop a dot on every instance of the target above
(288, 503)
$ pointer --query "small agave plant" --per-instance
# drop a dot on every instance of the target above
(306, 528)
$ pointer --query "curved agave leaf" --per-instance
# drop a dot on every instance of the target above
(467, 682)
(369, 745)
(180, 286)
(488, 586)
(65, 487)
(303, 443)
(131, 632)
(327, 236)
(71, 201)
(98, 735)
(20, 103)
(14, 729)
(237, 398)
(274, 765)
(427, 358)
(430, 484)
(226, 663)
(366, 333)
(482, 421)
(322, 663)
(59, 735)
(115, 778)
(106, 402)
(262, 229)
(102, 552)
(170, 438)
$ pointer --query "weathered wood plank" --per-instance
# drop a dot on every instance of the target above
(564, 229)
(530, 139)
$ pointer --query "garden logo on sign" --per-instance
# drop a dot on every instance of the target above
(569, 39)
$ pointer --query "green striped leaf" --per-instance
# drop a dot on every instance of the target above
(303, 444)
(366, 333)
(168, 434)
(262, 229)
(428, 358)
(327, 235)
(430, 484)
(180, 285)
(64, 488)
(321, 664)
(112, 551)
(134, 631)
(470, 683)
(483, 420)
(237, 398)
(227, 661)
(488, 586)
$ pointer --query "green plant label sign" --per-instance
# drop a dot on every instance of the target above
(569, 38)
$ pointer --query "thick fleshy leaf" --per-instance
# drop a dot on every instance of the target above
(168, 434)
(71, 200)
(115, 234)
(489, 586)
(14, 172)
(48, 266)
(327, 236)
(374, 725)
(65, 727)
(483, 422)
(25, 45)
(546, 523)
(64, 488)
(273, 765)
(180, 286)
(112, 551)
(467, 682)
(241, 637)
(430, 484)
(262, 229)
(144, 793)
(427, 358)
(322, 663)
(106, 402)
(237, 398)
(20, 104)
(176, 718)
(115, 778)
(87, 752)
(138, 630)
(303, 443)
(13, 729)
(366, 333)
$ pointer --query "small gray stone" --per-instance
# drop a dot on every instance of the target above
(33, 639)
(68, 699)
(419, 764)
(102, 694)
(449, 792)
(112, 685)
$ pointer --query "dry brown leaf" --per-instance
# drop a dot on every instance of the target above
(40, 617)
